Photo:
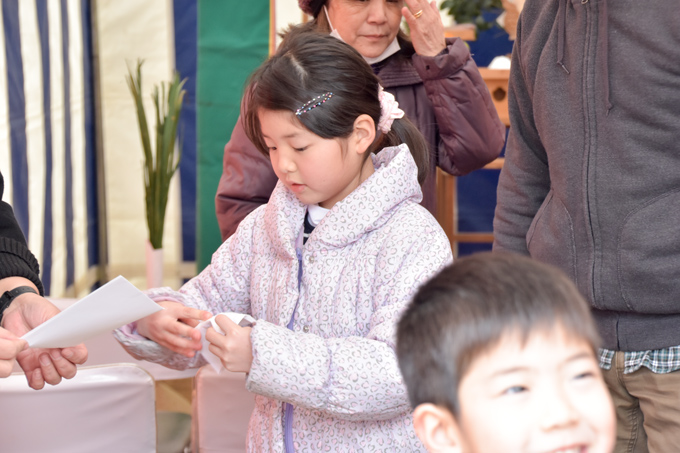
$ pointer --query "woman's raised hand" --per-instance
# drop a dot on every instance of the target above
(174, 327)
(425, 23)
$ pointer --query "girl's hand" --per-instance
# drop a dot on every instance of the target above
(234, 347)
(174, 327)
(427, 30)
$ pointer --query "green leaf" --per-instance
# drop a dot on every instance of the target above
(471, 11)
(162, 163)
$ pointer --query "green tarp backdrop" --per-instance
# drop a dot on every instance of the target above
(233, 39)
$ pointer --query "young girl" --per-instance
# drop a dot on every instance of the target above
(326, 267)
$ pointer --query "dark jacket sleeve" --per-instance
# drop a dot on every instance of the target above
(524, 181)
(471, 133)
(247, 181)
(15, 258)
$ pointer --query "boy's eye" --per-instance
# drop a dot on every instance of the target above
(515, 389)
(584, 375)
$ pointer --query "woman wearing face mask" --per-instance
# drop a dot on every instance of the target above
(434, 80)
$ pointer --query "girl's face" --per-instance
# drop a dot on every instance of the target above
(546, 395)
(316, 170)
(367, 25)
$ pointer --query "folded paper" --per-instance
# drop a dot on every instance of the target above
(111, 306)
(238, 318)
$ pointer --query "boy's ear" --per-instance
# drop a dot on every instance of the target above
(364, 132)
(437, 429)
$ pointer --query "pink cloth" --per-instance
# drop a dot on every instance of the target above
(389, 111)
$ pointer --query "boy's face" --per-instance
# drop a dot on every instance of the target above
(547, 396)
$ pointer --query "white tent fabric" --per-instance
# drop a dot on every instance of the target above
(44, 136)
(49, 57)
(128, 30)
(47, 141)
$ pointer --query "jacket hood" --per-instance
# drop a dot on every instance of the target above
(395, 181)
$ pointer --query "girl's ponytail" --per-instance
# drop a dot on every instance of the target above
(404, 131)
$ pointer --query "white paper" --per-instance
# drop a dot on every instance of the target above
(113, 305)
(238, 318)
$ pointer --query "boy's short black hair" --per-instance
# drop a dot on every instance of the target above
(469, 306)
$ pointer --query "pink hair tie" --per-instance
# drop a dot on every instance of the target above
(389, 110)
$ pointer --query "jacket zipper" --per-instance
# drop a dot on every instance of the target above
(287, 407)
(591, 139)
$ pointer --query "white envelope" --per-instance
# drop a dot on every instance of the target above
(111, 306)
(238, 318)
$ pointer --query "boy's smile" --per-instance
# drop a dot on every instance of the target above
(544, 396)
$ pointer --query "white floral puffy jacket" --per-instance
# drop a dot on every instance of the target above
(337, 367)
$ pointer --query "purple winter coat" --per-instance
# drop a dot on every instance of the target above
(444, 96)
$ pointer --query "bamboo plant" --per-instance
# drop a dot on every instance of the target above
(161, 165)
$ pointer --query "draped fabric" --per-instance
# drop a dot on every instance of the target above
(73, 165)
(226, 56)
(47, 136)
(128, 31)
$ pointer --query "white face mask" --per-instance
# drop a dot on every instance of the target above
(388, 52)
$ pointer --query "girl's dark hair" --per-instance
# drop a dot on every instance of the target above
(466, 310)
(309, 64)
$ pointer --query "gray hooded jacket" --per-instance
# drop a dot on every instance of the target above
(591, 181)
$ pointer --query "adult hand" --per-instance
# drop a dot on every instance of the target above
(234, 347)
(174, 327)
(10, 347)
(41, 365)
(427, 30)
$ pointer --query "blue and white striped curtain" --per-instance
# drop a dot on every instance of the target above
(47, 152)
(47, 134)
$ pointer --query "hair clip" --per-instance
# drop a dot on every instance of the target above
(317, 101)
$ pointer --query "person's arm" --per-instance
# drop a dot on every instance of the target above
(357, 377)
(222, 286)
(525, 178)
(19, 268)
(246, 183)
(15, 258)
(26, 312)
(471, 133)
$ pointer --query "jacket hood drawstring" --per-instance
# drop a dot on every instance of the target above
(603, 26)
(561, 31)
(603, 43)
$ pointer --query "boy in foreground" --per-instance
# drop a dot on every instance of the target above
(499, 354)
